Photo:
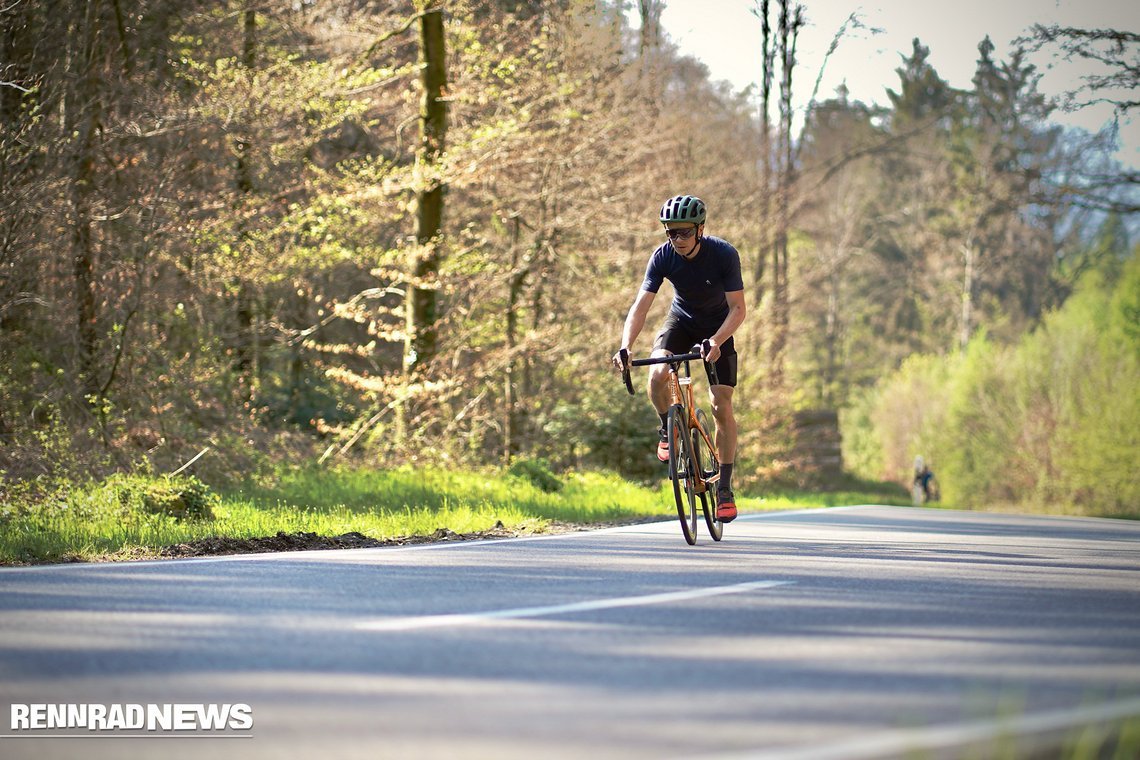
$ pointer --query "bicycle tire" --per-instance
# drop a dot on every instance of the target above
(680, 472)
(708, 465)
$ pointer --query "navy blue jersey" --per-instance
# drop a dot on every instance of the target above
(700, 284)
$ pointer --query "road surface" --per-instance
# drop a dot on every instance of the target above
(839, 633)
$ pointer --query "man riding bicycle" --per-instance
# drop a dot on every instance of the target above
(708, 305)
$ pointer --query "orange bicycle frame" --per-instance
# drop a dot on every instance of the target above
(681, 394)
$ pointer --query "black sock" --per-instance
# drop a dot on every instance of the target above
(664, 420)
(725, 477)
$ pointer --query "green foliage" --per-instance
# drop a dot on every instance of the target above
(862, 447)
(93, 521)
(537, 472)
(606, 428)
(183, 498)
(256, 253)
(1051, 422)
(888, 427)
(975, 443)
(1093, 345)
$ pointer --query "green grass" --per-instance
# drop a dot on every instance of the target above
(107, 520)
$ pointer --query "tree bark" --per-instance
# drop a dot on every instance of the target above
(516, 282)
(765, 236)
(422, 296)
(84, 113)
(246, 348)
(789, 24)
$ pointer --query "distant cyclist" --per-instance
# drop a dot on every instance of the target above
(708, 304)
(923, 481)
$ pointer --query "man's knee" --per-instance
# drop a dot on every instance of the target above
(721, 402)
(658, 373)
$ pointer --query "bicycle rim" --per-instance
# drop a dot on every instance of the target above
(706, 460)
(680, 471)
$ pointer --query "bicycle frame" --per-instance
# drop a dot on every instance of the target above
(681, 394)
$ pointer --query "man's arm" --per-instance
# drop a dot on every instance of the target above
(635, 320)
(735, 318)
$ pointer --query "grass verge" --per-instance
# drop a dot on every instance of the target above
(135, 517)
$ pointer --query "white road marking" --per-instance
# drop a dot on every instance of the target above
(445, 621)
(910, 742)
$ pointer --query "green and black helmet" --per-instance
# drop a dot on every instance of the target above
(683, 208)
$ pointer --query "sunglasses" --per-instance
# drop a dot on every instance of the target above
(684, 234)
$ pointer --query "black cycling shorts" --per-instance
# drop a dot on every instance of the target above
(678, 339)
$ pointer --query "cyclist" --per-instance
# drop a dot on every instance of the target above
(922, 478)
(708, 304)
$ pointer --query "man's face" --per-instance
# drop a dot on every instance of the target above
(684, 236)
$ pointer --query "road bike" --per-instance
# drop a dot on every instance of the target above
(921, 495)
(694, 465)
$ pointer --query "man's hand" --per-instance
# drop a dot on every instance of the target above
(616, 360)
(710, 351)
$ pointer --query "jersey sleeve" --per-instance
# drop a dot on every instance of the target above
(654, 275)
(733, 281)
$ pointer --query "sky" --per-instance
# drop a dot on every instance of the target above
(725, 36)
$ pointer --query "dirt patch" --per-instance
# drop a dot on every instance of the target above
(301, 541)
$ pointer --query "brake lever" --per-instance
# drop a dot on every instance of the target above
(623, 355)
(705, 348)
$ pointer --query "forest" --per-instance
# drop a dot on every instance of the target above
(238, 233)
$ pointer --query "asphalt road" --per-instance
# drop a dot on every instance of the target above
(841, 633)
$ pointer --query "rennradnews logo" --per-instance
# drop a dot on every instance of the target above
(102, 719)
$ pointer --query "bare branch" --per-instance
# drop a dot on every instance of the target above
(393, 33)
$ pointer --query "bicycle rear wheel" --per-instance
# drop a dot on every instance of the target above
(709, 466)
(681, 473)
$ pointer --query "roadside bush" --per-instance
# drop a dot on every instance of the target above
(910, 415)
(1052, 422)
(183, 498)
(973, 446)
(538, 473)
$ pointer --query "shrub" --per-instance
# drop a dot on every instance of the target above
(537, 472)
(1051, 421)
(184, 498)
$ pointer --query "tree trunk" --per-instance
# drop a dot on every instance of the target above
(650, 12)
(516, 281)
(788, 30)
(246, 341)
(831, 373)
(422, 299)
(84, 113)
(765, 237)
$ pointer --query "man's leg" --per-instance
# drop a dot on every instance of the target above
(658, 386)
(721, 397)
(658, 390)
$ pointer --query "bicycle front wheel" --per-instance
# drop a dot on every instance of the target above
(708, 465)
(681, 473)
